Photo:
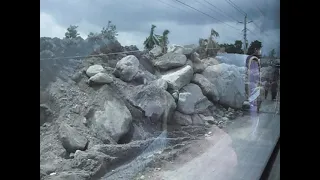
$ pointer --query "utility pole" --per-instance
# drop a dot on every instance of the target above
(245, 41)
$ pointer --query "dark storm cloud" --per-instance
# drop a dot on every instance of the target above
(132, 15)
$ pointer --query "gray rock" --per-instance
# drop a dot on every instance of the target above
(170, 60)
(175, 95)
(189, 49)
(76, 77)
(156, 51)
(210, 61)
(228, 82)
(92, 161)
(225, 119)
(191, 100)
(199, 67)
(100, 78)
(208, 89)
(179, 77)
(71, 175)
(208, 119)
(122, 151)
(143, 77)
(186, 50)
(195, 57)
(160, 83)
(182, 119)
(115, 118)
(127, 68)
(156, 102)
(46, 114)
(196, 120)
(190, 63)
(71, 139)
(94, 69)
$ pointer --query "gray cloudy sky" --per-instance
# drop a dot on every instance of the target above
(133, 19)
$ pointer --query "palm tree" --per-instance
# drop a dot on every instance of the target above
(211, 46)
(151, 40)
(164, 40)
(214, 33)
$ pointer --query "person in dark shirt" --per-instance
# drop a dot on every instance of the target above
(274, 88)
(267, 88)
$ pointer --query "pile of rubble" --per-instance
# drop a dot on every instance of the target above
(111, 109)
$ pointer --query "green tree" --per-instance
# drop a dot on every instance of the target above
(238, 44)
(212, 45)
(164, 41)
(72, 32)
(152, 39)
(94, 37)
(109, 32)
(254, 47)
(233, 48)
(272, 54)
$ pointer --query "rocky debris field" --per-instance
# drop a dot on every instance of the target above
(110, 117)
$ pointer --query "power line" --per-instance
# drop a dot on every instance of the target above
(243, 12)
(262, 13)
(222, 12)
(235, 7)
(205, 14)
(172, 6)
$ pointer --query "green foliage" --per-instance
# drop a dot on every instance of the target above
(254, 47)
(212, 46)
(214, 33)
(109, 33)
(272, 53)
(152, 39)
(94, 37)
(72, 32)
(164, 41)
(233, 48)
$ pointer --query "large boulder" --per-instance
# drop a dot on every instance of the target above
(179, 77)
(229, 83)
(145, 63)
(208, 89)
(156, 51)
(94, 69)
(196, 120)
(175, 48)
(109, 113)
(46, 114)
(189, 49)
(100, 78)
(154, 101)
(191, 100)
(170, 60)
(210, 61)
(71, 139)
(160, 83)
(199, 67)
(127, 68)
(195, 57)
(115, 118)
(182, 119)
(186, 50)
